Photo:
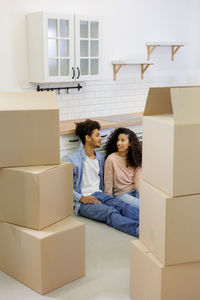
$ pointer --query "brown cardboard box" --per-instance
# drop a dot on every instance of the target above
(29, 129)
(171, 143)
(150, 280)
(36, 196)
(43, 260)
(170, 227)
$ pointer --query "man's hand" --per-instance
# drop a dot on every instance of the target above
(89, 200)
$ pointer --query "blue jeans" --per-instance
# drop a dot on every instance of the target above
(131, 198)
(113, 212)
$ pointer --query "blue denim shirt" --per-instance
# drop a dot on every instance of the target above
(78, 159)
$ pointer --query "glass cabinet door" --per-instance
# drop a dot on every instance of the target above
(63, 47)
(88, 48)
(60, 47)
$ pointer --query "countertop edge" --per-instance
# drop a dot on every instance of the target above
(68, 126)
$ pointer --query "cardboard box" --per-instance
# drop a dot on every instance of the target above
(171, 144)
(170, 227)
(36, 196)
(43, 260)
(29, 129)
(150, 280)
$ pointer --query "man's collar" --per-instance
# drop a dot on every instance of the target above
(83, 154)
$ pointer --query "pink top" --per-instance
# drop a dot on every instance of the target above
(118, 178)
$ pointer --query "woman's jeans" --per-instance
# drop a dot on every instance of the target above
(131, 198)
(113, 212)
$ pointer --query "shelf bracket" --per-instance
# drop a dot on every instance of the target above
(174, 50)
(144, 67)
(116, 68)
(150, 49)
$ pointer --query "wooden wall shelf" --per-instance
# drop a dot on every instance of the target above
(117, 64)
(175, 46)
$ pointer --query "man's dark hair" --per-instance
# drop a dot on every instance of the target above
(86, 128)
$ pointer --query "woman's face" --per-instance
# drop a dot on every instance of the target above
(123, 143)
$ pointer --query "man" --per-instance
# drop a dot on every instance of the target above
(89, 199)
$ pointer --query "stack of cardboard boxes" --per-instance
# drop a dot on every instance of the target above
(41, 246)
(165, 261)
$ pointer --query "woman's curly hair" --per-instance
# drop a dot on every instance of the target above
(134, 156)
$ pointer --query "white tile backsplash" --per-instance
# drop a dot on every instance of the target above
(106, 97)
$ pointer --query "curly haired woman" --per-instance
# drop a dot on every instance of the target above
(123, 165)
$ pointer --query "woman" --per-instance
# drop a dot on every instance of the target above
(123, 165)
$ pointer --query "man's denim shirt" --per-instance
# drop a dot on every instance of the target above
(78, 159)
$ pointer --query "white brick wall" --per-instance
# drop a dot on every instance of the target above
(101, 98)
(108, 97)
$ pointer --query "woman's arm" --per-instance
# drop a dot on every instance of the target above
(137, 178)
(108, 176)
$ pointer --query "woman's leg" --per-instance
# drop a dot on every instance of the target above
(123, 208)
(130, 199)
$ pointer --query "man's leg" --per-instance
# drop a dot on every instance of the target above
(123, 208)
(110, 216)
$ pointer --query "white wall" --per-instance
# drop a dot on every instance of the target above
(127, 25)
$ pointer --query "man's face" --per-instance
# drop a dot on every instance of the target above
(95, 139)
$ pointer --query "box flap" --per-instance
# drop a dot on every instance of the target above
(186, 105)
(182, 102)
(38, 169)
(158, 102)
(28, 101)
(33, 169)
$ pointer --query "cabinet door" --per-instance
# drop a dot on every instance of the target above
(88, 48)
(50, 39)
(69, 143)
(59, 48)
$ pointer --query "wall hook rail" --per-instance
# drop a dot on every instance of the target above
(39, 89)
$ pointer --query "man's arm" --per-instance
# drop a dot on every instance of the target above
(77, 196)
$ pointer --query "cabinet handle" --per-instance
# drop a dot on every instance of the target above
(73, 72)
(71, 141)
(79, 73)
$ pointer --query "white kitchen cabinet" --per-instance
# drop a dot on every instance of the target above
(69, 143)
(63, 47)
(88, 47)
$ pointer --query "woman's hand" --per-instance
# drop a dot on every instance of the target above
(89, 200)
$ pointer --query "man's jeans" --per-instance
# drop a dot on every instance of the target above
(131, 198)
(113, 212)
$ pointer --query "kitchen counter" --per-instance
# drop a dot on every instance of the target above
(112, 121)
